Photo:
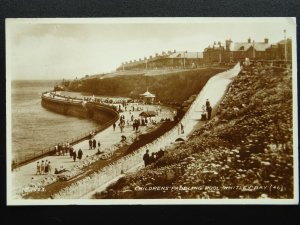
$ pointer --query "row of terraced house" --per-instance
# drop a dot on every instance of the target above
(216, 53)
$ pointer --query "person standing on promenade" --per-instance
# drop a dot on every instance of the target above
(90, 144)
(49, 167)
(207, 103)
(42, 167)
(38, 168)
(146, 158)
(46, 167)
(99, 144)
(94, 143)
(71, 151)
(80, 153)
(209, 110)
(114, 126)
(74, 155)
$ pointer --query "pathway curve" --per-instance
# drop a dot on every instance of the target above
(214, 90)
(25, 175)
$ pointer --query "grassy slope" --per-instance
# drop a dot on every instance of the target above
(236, 149)
(174, 87)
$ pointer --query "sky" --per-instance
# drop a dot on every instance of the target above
(53, 49)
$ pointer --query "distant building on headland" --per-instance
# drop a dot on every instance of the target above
(228, 52)
(232, 52)
(170, 59)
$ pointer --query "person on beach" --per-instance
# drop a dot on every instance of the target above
(80, 153)
(114, 126)
(146, 158)
(99, 144)
(38, 168)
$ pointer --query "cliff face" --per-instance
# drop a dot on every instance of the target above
(245, 151)
(169, 88)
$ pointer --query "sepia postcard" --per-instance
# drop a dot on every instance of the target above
(105, 111)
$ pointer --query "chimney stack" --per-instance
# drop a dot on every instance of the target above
(266, 41)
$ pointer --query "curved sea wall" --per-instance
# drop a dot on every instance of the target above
(98, 112)
(105, 115)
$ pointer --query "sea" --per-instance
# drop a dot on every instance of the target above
(35, 128)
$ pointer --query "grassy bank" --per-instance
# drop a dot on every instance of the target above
(168, 88)
(245, 151)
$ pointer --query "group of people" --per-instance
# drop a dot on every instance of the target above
(43, 168)
(62, 149)
(75, 155)
(206, 111)
(93, 143)
(154, 156)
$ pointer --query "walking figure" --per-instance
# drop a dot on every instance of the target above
(209, 110)
(146, 158)
(114, 126)
(94, 143)
(80, 153)
(74, 155)
(207, 103)
(42, 167)
(90, 144)
(38, 168)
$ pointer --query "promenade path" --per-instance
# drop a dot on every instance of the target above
(214, 90)
(26, 174)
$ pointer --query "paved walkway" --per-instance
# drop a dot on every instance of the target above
(214, 90)
(26, 174)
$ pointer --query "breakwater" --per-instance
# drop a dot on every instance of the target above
(105, 115)
(75, 107)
